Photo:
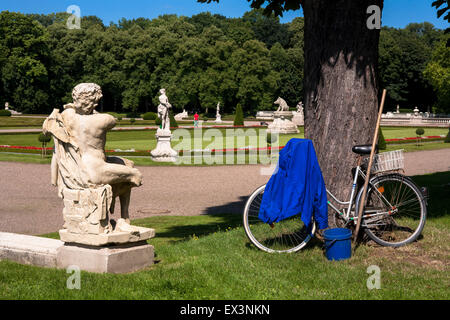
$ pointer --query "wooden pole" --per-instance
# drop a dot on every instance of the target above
(369, 168)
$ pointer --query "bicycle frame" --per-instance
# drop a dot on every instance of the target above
(346, 213)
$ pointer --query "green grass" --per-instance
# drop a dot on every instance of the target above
(209, 257)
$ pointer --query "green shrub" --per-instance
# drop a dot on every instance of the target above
(239, 118)
(5, 113)
(43, 138)
(381, 141)
(420, 132)
(173, 122)
(132, 120)
(447, 138)
(158, 121)
(132, 115)
(205, 118)
(149, 116)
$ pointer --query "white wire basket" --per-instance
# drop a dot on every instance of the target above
(389, 161)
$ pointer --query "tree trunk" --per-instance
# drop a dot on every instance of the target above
(341, 85)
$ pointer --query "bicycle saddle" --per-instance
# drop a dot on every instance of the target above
(364, 149)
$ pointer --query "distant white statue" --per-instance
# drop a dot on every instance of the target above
(86, 178)
(283, 106)
(6, 106)
(398, 109)
(218, 116)
(163, 110)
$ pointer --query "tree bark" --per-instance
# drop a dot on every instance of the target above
(341, 85)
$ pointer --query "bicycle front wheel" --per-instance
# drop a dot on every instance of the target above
(395, 211)
(287, 236)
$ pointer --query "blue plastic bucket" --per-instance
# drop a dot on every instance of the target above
(338, 244)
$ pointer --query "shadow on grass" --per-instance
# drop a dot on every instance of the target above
(438, 186)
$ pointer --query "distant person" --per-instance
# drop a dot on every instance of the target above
(196, 117)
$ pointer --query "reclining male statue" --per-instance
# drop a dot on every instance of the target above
(87, 179)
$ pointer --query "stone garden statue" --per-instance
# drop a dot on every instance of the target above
(88, 181)
(163, 151)
(283, 106)
(163, 110)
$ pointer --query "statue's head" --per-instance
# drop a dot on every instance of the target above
(86, 97)
(162, 91)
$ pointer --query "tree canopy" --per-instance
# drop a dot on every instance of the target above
(200, 60)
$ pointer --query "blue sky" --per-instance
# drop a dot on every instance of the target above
(397, 13)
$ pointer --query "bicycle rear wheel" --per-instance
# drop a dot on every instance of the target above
(287, 236)
(395, 211)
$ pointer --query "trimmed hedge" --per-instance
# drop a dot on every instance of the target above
(149, 116)
(5, 113)
(447, 138)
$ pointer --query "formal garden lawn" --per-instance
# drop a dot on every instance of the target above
(209, 257)
(144, 140)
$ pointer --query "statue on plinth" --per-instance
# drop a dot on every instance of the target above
(88, 181)
(218, 116)
(164, 151)
(282, 122)
(299, 115)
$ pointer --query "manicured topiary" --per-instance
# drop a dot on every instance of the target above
(239, 118)
(5, 113)
(381, 141)
(44, 139)
(158, 122)
(149, 116)
(173, 122)
(420, 132)
(132, 120)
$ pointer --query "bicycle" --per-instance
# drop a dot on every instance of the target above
(394, 214)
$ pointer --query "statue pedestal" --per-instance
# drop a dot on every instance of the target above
(164, 151)
(219, 119)
(282, 123)
(298, 119)
(117, 259)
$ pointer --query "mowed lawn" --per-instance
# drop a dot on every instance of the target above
(146, 140)
(209, 257)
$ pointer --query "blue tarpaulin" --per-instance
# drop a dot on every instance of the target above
(297, 186)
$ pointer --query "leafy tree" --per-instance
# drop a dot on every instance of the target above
(24, 59)
(381, 141)
(438, 73)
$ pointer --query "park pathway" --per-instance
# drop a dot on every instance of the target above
(29, 204)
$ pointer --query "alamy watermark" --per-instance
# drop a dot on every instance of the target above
(74, 281)
(374, 280)
(74, 21)
(374, 20)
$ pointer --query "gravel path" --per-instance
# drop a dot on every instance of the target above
(29, 204)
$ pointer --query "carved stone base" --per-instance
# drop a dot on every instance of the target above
(283, 123)
(116, 237)
(298, 119)
(164, 151)
(219, 119)
(118, 259)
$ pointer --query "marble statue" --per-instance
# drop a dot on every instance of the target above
(283, 106)
(218, 116)
(6, 105)
(282, 122)
(299, 115)
(88, 181)
(163, 110)
(164, 151)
